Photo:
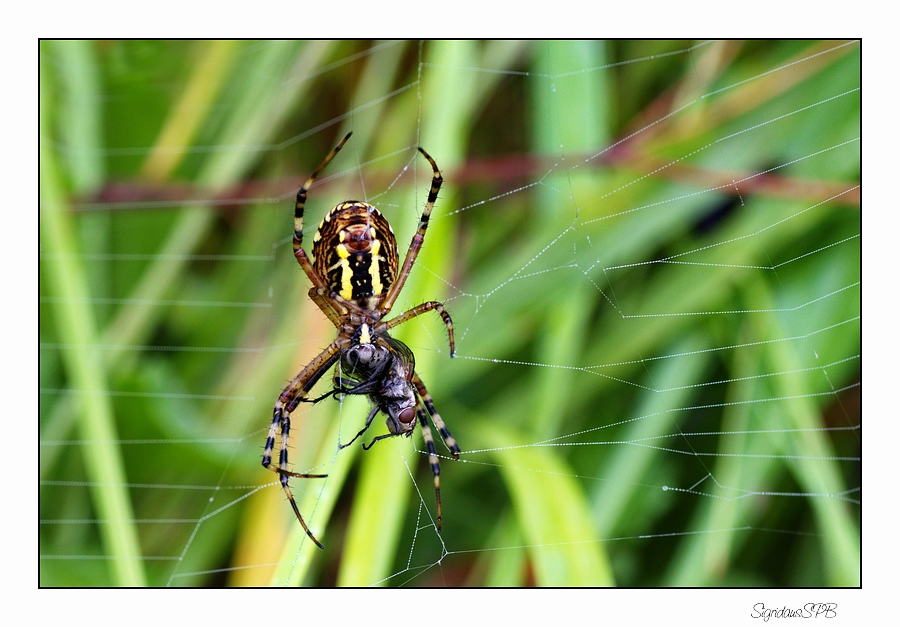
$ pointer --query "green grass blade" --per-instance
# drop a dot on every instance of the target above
(84, 365)
(628, 466)
(811, 457)
(721, 523)
(554, 515)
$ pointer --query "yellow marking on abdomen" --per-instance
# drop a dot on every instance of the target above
(346, 272)
(375, 268)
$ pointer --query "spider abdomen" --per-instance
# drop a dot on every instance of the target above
(356, 252)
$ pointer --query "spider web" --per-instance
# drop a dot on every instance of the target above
(656, 302)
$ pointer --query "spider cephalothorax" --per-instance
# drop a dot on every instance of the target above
(356, 279)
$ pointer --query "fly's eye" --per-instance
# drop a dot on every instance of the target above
(407, 415)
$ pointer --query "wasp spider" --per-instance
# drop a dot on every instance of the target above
(355, 282)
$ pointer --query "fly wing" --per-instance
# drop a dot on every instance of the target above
(403, 353)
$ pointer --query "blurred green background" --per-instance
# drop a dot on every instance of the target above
(650, 250)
